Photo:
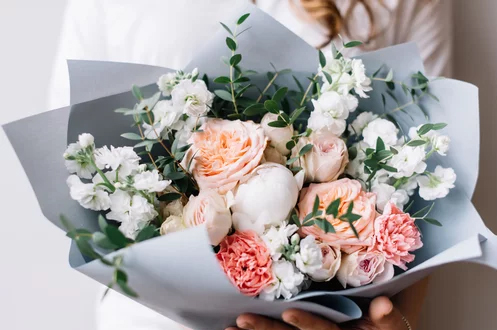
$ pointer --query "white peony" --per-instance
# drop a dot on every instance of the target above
(437, 184)
(122, 159)
(287, 281)
(361, 121)
(265, 199)
(88, 195)
(166, 117)
(277, 238)
(382, 128)
(150, 181)
(78, 161)
(310, 258)
(132, 211)
(85, 140)
(409, 161)
(192, 97)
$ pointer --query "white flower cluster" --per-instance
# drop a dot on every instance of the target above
(189, 101)
(295, 261)
(126, 188)
(336, 101)
(409, 160)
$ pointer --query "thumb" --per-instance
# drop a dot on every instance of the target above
(385, 316)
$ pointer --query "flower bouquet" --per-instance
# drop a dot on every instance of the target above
(276, 178)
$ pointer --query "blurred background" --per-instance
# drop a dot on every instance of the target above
(38, 289)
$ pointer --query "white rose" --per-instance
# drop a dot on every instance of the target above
(193, 97)
(287, 281)
(172, 224)
(441, 144)
(437, 184)
(86, 140)
(277, 238)
(327, 158)
(310, 258)
(361, 121)
(278, 136)
(210, 208)
(409, 161)
(382, 128)
(265, 199)
(362, 267)
(332, 257)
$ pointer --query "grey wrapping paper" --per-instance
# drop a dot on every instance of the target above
(177, 275)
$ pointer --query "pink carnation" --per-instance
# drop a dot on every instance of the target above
(246, 260)
(396, 235)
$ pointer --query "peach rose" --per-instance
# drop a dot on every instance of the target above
(326, 160)
(246, 260)
(364, 267)
(210, 208)
(225, 152)
(396, 235)
(348, 191)
(332, 257)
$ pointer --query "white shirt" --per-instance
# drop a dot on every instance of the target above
(167, 33)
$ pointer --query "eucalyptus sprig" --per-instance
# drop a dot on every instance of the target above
(376, 159)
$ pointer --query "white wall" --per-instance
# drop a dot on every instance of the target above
(38, 289)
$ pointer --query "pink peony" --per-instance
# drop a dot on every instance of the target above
(224, 152)
(247, 261)
(348, 191)
(396, 235)
(363, 267)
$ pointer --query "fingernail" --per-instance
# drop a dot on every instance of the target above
(292, 320)
(246, 326)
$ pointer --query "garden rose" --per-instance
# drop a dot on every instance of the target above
(396, 235)
(210, 208)
(225, 152)
(348, 191)
(364, 267)
(265, 199)
(327, 158)
(246, 261)
(332, 257)
(278, 136)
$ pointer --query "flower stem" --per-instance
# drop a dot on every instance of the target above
(308, 89)
(267, 87)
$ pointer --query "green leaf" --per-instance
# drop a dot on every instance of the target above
(315, 207)
(102, 241)
(290, 144)
(280, 94)
(85, 248)
(299, 85)
(332, 208)
(324, 225)
(438, 126)
(169, 197)
(235, 59)
(296, 114)
(353, 43)
(131, 136)
(415, 143)
(102, 223)
(137, 93)
(242, 18)
(231, 43)
(328, 77)
(254, 109)
(305, 149)
(432, 222)
(223, 94)
(146, 233)
(378, 71)
(389, 76)
(272, 107)
(292, 160)
(126, 289)
(425, 129)
(241, 80)
(116, 237)
(226, 28)
(175, 175)
(66, 223)
(322, 59)
(222, 80)
(383, 154)
(278, 123)
(388, 168)
(295, 220)
(380, 145)
(425, 210)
